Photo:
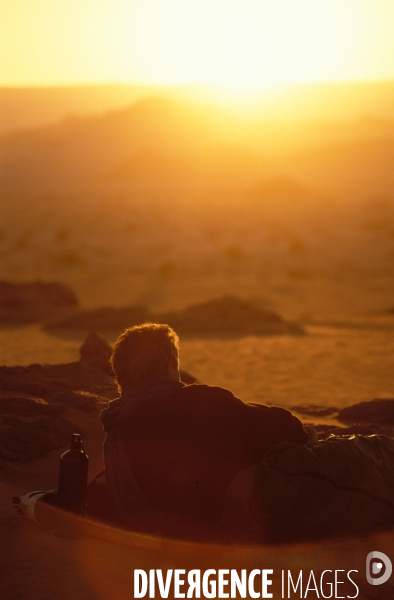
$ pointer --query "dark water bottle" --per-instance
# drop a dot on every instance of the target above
(73, 477)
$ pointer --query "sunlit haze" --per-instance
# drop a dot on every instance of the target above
(241, 44)
(235, 145)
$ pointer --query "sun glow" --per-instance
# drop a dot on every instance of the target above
(251, 43)
(244, 44)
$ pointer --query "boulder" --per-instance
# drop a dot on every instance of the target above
(34, 301)
(315, 410)
(96, 352)
(30, 421)
(226, 316)
(47, 380)
(375, 411)
(102, 319)
(83, 401)
(22, 406)
(34, 439)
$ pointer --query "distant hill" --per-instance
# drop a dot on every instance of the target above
(28, 108)
(154, 138)
(162, 143)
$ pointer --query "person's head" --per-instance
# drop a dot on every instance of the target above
(144, 352)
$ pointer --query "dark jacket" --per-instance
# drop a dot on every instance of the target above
(185, 449)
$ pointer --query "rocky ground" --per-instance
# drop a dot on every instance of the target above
(33, 301)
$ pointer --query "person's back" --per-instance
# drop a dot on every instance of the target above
(185, 449)
(172, 450)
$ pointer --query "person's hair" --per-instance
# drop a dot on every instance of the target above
(142, 352)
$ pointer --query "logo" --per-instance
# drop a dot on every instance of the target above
(375, 562)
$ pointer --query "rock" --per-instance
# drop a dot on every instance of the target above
(96, 352)
(12, 421)
(30, 425)
(226, 316)
(22, 381)
(314, 410)
(34, 439)
(102, 319)
(375, 411)
(46, 380)
(34, 301)
(81, 401)
(22, 406)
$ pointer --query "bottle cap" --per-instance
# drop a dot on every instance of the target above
(76, 442)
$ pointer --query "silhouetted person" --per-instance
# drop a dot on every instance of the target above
(171, 449)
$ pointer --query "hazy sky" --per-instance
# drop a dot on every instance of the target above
(241, 43)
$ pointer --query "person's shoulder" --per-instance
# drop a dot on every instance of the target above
(209, 398)
(211, 392)
(198, 390)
